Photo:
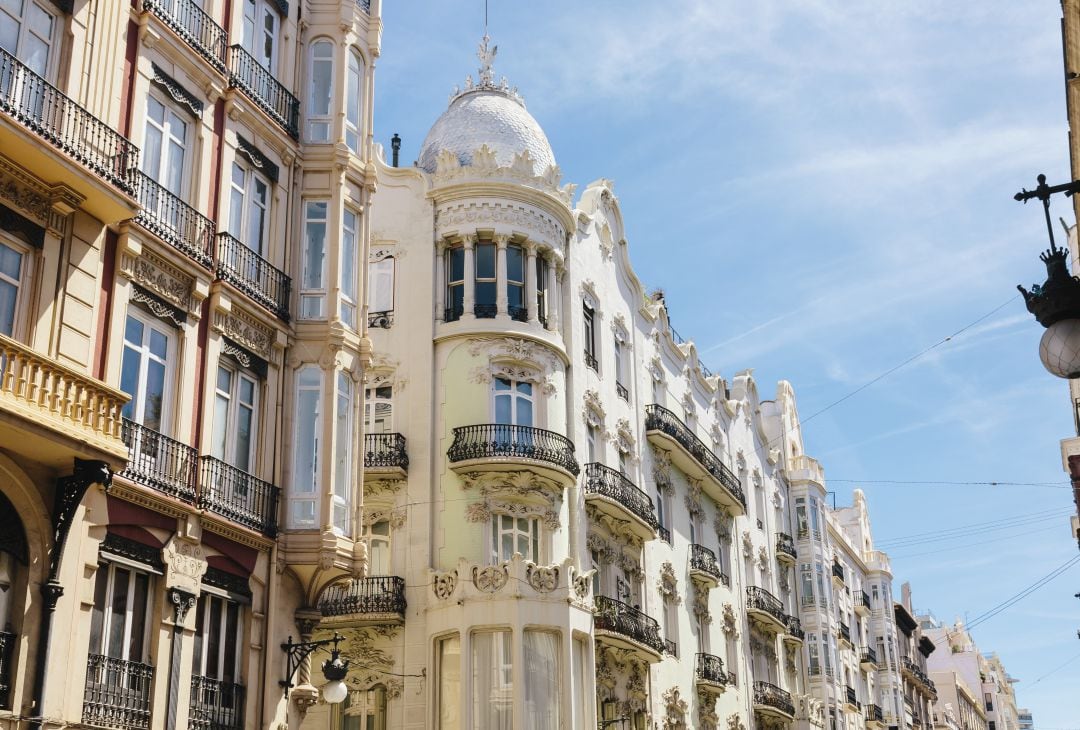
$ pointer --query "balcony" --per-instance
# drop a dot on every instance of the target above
(613, 494)
(766, 610)
(215, 705)
(256, 277)
(709, 673)
(385, 455)
(794, 634)
(503, 447)
(772, 701)
(874, 716)
(160, 463)
(92, 151)
(621, 391)
(693, 458)
(52, 413)
(194, 26)
(628, 628)
(704, 567)
(671, 648)
(851, 698)
(380, 320)
(117, 693)
(591, 362)
(174, 221)
(918, 677)
(663, 533)
(378, 599)
(238, 496)
(248, 75)
(785, 548)
(868, 658)
(862, 603)
(845, 633)
(838, 571)
(7, 667)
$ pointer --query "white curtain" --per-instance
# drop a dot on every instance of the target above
(450, 683)
(542, 680)
(492, 681)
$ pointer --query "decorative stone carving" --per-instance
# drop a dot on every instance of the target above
(668, 584)
(443, 584)
(160, 308)
(656, 369)
(689, 404)
(675, 709)
(182, 602)
(729, 622)
(755, 477)
(522, 484)
(581, 587)
(777, 498)
(701, 603)
(747, 544)
(176, 91)
(636, 692)
(185, 564)
(716, 434)
(605, 673)
(707, 717)
(48, 205)
(734, 722)
(363, 647)
(624, 436)
(722, 525)
(661, 467)
(592, 410)
(740, 460)
(246, 331)
(490, 578)
(763, 559)
(693, 499)
(537, 226)
(542, 578)
(159, 277)
(483, 510)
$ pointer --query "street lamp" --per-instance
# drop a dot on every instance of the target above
(1055, 304)
(334, 669)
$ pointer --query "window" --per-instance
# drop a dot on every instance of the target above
(260, 32)
(620, 366)
(146, 370)
(800, 518)
(163, 152)
(511, 535)
(541, 289)
(492, 680)
(542, 695)
(26, 32)
(379, 409)
(515, 283)
(812, 647)
(590, 337)
(304, 493)
(513, 402)
(14, 263)
(380, 288)
(234, 418)
(377, 535)
(322, 79)
(485, 281)
(661, 510)
(455, 284)
(448, 688)
(118, 626)
(364, 710)
(313, 277)
(218, 628)
(598, 573)
(249, 208)
(592, 438)
(989, 702)
(343, 454)
(354, 84)
(581, 678)
(348, 268)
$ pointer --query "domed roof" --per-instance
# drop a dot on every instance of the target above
(491, 114)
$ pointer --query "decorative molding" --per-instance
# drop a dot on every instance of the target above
(484, 510)
(537, 226)
(592, 410)
(656, 369)
(257, 159)
(176, 91)
(661, 468)
(668, 585)
(675, 709)
(707, 717)
(443, 584)
(182, 602)
(49, 205)
(734, 722)
(448, 169)
(624, 437)
(158, 306)
(747, 544)
(693, 499)
(701, 603)
(246, 331)
(763, 559)
(490, 578)
(729, 623)
(542, 578)
(159, 277)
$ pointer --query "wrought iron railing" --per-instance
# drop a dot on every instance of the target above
(873, 713)
(385, 450)
(704, 560)
(863, 599)
(618, 617)
(845, 632)
(868, 655)
(622, 392)
(374, 594)
(248, 75)
(62, 122)
(500, 440)
(772, 696)
(452, 314)
(519, 314)
(663, 533)
(852, 698)
(215, 705)
(238, 496)
(838, 570)
(658, 418)
(785, 545)
(710, 669)
(795, 629)
(159, 462)
(252, 274)
(607, 482)
(591, 361)
(380, 320)
(725, 580)
(117, 693)
(485, 311)
(174, 221)
(671, 648)
(194, 25)
(761, 600)
(364, 5)
(7, 667)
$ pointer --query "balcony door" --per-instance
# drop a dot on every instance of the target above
(118, 626)
(379, 409)
(146, 370)
(377, 535)
(261, 32)
(235, 409)
(217, 697)
(27, 33)
(513, 406)
(164, 145)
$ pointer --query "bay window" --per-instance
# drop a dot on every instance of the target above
(146, 369)
(321, 94)
(235, 395)
(492, 681)
(343, 451)
(515, 283)
(448, 688)
(348, 274)
(510, 534)
(249, 208)
(304, 489)
(542, 695)
(354, 85)
(313, 275)
(14, 265)
(486, 281)
(455, 283)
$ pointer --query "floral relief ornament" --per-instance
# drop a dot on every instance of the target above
(490, 578)
(443, 584)
(675, 708)
(543, 579)
(668, 584)
(729, 622)
(747, 544)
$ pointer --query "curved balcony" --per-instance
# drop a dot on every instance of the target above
(385, 456)
(666, 431)
(710, 675)
(785, 548)
(868, 659)
(378, 599)
(862, 603)
(772, 701)
(626, 627)
(874, 717)
(504, 447)
(845, 633)
(704, 566)
(794, 634)
(613, 494)
(766, 610)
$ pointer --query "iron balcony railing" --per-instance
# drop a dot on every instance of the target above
(59, 120)
(238, 496)
(248, 75)
(863, 599)
(618, 617)
(873, 713)
(710, 669)
(795, 629)
(485, 311)
(704, 559)
(622, 392)
(772, 696)
(452, 314)
(838, 570)
(374, 594)
(7, 667)
(852, 698)
(252, 274)
(159, 462)
(194, 25)
(845, 632)
(869, 655)
(117, 693)
(761, 600)
(658, 418)
(663, 533)
(591, 361)
(500, 440)
(785, 545)
(364, 5)
(519, 314)
(385, 450)
(215, 705)
(380, 320)
(725, 580)
(174, 221)
(671, 648)
(607, 482)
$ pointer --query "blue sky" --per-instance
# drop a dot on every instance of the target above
(823, 189)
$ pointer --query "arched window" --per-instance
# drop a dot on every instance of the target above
(354, 100)
(319, 99)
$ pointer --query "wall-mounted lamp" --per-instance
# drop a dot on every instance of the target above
(334, 669)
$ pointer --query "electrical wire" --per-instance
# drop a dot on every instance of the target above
(970, 545)
(999, 521)
(1054, 485)
(1007, 603)
(901, 543)
(1060, 666)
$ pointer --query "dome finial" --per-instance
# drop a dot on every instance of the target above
(487, 57)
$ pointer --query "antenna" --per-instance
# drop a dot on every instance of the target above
(485, 17)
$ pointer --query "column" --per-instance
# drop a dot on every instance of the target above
(501, 305)
(470, 277)
(530, 281)
(552, 300)
(440, 280)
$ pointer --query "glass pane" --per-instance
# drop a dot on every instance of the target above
(232, 641)
(485, 292)
(155, 395)
(515, 264)
(321, 77)
(97, 618)
(8, 294)
(118, 613)
(221, 426)
(136, 652)
(502, 409)
(525, 388)
(542, 697)
(242, 455)
(491, 681)
(524, 413)
(485, 261)
(213, 638)
(159, 344)
(307, 443)
(129, 381)
(9, 33)
(10, 262)
(457, 264)
(449, 669)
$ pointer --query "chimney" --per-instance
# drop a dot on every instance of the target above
(395, 145)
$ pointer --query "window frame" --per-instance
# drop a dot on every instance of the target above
(52, 51)
(311, 291)
(454, 310)
(105, 586)
(371, 537)
(233, 406)
(532, 533)
(515, 396)
(588, 317)
(242, 198)
(169, 362)
(22, 283)
(250, 43)
(182, 144)
(314, 496)
(200, 654)
(341, 499)
(517, 311)
(314, 118)
(489, 307)
(348, 270)
(372, 399)
(354, 131)
(382, 279)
